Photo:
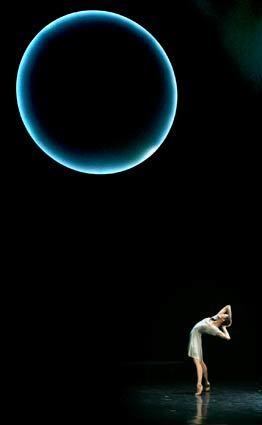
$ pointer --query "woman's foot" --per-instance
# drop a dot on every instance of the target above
(199, 389)
(207, 386)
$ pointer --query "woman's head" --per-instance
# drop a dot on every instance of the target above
(225, 319)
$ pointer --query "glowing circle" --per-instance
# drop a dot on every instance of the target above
(96, 92)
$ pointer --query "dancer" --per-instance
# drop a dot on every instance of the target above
(210, 326)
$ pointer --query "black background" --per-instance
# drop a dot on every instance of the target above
(159, 322)
(201, 185)
(215, 129)
(100, 257)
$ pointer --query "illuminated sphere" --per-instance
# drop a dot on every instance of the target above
(96, 92)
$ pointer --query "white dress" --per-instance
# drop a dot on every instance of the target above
(205, 326)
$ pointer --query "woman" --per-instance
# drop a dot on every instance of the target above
(210, 326)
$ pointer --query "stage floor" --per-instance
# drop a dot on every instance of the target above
(226, 404)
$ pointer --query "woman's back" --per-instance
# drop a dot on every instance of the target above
(205, 326)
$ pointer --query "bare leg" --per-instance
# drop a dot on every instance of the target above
(205, 373)
(199, 370)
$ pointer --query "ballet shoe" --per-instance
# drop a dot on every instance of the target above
(207, 387)
(199, 389)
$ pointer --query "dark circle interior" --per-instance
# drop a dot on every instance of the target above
(96, 87)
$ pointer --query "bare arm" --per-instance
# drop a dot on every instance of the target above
(230, 314)
(224, 333)
(226, 310)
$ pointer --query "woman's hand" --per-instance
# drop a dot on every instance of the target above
(225, 332)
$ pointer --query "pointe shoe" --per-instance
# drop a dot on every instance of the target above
(207, 387)
(199, 389)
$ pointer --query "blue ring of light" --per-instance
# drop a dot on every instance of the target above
(107, 169)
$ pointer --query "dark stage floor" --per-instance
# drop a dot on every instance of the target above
(176, 404)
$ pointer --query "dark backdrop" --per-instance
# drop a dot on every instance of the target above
(76, 327)
(201, 186)
(214, 136)
(96, 331)
(159, 322)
